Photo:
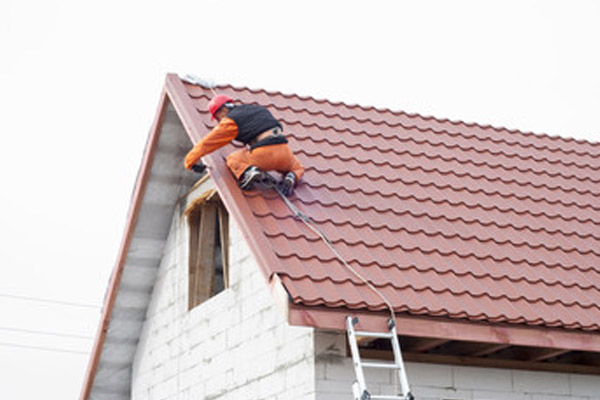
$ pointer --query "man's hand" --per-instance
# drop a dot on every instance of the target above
(199, 168)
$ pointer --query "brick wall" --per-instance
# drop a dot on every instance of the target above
(334, 375)
(237, 345)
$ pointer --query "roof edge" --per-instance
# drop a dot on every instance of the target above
(441, 328)
(132, 218)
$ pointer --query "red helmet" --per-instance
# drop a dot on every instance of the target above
(217, 102)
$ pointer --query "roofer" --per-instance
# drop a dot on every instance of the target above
(266, 147)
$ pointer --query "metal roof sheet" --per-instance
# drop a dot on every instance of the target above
(446, 218)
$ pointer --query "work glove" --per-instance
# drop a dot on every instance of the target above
(286, 186)
(199, 168)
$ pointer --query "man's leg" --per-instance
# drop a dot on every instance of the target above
(240, 164)
(277, 157)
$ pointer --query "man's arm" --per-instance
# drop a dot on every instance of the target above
(221, 135)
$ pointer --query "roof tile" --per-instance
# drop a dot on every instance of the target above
(445, 218)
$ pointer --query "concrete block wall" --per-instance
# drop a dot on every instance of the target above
(334, 376)
(236, 345)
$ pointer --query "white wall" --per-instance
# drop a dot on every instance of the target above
(334, 375)
(237, 345)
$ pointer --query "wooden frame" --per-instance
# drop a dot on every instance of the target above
(208, 223)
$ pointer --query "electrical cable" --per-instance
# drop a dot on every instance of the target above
(58, 302)
(46, 333)
(42, 348)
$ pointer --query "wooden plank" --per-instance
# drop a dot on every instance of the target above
(543, 354)
(193, 245)
(206, 254)
(482, 362)
(489, 362)
(424, 344)
(488, 349)
(224, 232)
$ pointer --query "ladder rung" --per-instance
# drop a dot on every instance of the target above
(380, 335)
(381, 365)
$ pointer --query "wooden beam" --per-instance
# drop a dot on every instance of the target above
(488, 349)
(484, 362)
(444, 328)
(424, 344)
(544, 354)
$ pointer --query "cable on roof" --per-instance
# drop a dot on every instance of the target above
(313, 226)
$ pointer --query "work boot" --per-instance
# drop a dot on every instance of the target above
(251, 176)
(286, 186)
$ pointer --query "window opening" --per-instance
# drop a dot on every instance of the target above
(208, 268)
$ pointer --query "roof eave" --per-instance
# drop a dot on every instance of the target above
(443, 328)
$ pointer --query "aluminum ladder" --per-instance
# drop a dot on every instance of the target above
(359, 387)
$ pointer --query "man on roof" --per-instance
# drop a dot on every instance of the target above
(266, 147)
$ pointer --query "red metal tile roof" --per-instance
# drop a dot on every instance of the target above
(447, 219)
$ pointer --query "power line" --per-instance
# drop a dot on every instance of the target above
(37, 299)
(22, 346)
(67, 335)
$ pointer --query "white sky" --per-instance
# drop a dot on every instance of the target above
(80, 82)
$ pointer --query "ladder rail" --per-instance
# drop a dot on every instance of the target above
(404, 387)
(359, 388)
(356, 361)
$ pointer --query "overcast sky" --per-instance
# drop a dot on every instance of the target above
(80, 83)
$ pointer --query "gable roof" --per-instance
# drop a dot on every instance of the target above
(472, 232)
(447, 219)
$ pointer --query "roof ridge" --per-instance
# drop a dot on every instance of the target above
(554, 138)
(454, 173)
(445, 158)
(467, 189)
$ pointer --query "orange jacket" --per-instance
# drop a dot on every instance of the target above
(221, 135)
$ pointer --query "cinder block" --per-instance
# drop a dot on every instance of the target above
(495, 379)
(585, 385)
(340, 372)
(556, 397)
(492, 395)
(433, 393)
(535, 382)
(434, 375)
(271, 385)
